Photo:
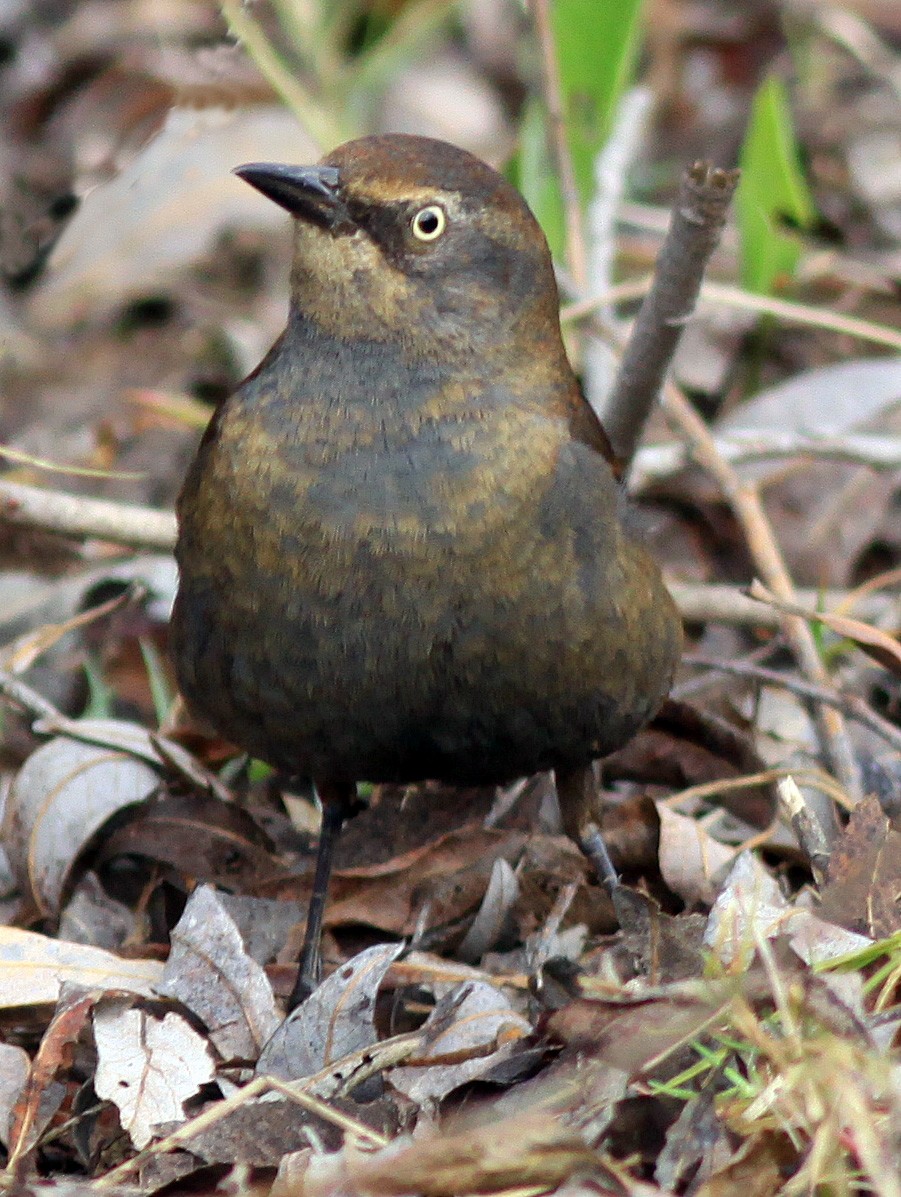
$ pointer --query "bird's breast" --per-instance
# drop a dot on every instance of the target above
(402, 481)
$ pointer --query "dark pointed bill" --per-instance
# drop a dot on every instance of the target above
(308, 192)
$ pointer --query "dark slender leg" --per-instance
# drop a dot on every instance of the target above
(592, 844)
(577, 793)
(338, 803)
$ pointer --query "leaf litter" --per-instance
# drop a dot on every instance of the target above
(492, 1020)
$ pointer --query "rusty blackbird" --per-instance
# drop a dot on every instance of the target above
(401, 545)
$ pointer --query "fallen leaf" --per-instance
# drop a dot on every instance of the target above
(630, 1031)
(164, 209)
(60, 798)
(147, 1066)
(450, 874)
(334, 1021)
(863, 881)
(200, 836)
(749, 905)
(212, 975)
(15, 1065)
(33, 969)
(496, 908)
(533, 1151)
(46, 1090)
(483, 1030)
(690, 858)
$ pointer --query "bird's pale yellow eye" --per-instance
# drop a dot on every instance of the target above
(429, 223)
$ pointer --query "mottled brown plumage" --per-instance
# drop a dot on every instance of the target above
(401, 544)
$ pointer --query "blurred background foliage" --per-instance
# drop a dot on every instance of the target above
(130, 251)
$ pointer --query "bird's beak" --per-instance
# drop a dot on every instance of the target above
(308, 192)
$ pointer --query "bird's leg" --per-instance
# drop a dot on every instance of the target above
(577, 794)
(338, 803)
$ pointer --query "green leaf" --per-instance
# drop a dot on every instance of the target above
(772, 194)
(161, 692)
(100, 693)
(596, 47)
(537, 178)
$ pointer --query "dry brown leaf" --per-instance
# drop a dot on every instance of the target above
(63, 794)
(630, 1031)
(451, 874)
(484, 1030)
(749, 906)
(211, 974)
(334, 1021)
(33, 969)
(15, 1066)
(756, 1170)
(531, 1150)
(863, 881)
(146, 1066)
(198, 835)
(690, 858)
(45, 1092)
(164, 209)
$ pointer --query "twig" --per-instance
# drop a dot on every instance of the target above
(553, 97)
(544, 941)
(814, 778)
(719, 603)
(299, 99)
(73, 515)
(216, 1112)
(625, 292)
(800, 313)
(698, 218)
(717, 294)
(851, 705)
(27, 698)
(152, 747)
(858, 38)
(765, 551)
(744, 499)
(656, 462)
(811, 836)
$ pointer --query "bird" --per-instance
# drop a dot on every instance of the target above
(404, 552)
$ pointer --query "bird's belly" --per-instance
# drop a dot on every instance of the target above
(405, 661)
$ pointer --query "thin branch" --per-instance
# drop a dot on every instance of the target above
(858, 38)
(698, 218)
(801, 313)
(851, 705)
(719, 603)
(73, 515)
(808, 829)
(26, 697)
(625, 292)
(656, 462)
(763, 546)
(553, 98)
(717, 294)
(284, 83)
(814, 778)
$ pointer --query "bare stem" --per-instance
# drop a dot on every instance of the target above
(553, 98)
(698, 217)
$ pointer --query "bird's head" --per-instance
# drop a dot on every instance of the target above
(412, 240)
